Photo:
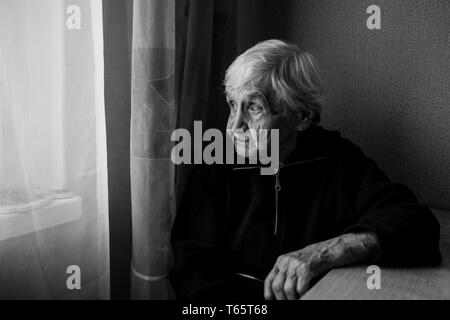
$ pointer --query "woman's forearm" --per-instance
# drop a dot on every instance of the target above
(354, 248)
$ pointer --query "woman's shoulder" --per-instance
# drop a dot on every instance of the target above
(331, 142)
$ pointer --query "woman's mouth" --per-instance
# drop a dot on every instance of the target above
(241, 138)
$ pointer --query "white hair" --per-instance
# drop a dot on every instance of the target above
(283, 74)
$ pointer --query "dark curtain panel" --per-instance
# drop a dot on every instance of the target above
(205, 44)
(117, 22)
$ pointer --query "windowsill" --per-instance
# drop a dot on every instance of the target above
(56, 213)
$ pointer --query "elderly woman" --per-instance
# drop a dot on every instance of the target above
(239, 234)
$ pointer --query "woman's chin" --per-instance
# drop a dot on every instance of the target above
(251, 153)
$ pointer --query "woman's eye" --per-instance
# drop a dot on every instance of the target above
(232, 105)
(254, 108)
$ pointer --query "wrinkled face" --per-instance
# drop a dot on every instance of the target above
(250, 110)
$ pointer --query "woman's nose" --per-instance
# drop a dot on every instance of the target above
(239, 123)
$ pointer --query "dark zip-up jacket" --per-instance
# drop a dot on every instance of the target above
(232, 219)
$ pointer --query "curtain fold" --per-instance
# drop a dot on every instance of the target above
(117, 27)
(153, 119)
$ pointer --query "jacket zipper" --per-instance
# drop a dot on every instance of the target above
(278, 184)
(277, 190)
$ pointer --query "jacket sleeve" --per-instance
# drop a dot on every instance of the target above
(197, 239)
(407, 231)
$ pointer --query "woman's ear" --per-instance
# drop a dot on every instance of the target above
(303, 122)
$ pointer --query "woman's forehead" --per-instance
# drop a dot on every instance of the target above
(244, 93)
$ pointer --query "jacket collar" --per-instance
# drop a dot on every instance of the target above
(313, 144)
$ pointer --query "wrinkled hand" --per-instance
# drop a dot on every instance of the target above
(293, 272)
(291, 275)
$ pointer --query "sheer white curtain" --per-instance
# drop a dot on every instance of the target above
(53, 177)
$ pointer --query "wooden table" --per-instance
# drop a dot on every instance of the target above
(402, 283)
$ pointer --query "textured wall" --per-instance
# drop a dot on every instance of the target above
(388, 90)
